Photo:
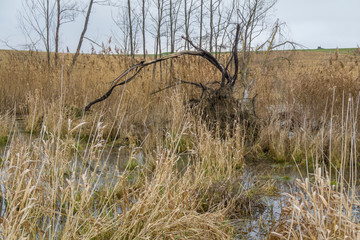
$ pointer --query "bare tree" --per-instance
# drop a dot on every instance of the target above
(48, 16)
(128, 22)
(130, 32)
(37, 22)
(58, 23)
(219, 25)
(121, 21)
(217, 101)
(81, 39)
(254, 25)
(158, 22)
(66, 12)
(144, 10)
(189, 8)
(41, 21)
(224, 19)
(201, 22)
(174, 9)
(211, 12)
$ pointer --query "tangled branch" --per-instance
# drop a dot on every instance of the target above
(227, 79)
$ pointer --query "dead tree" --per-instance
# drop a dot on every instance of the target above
(131, 33)
(37, 23)
(81, 37)
(67, 11)
(216, 102)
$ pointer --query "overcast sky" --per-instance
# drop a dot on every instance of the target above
(326, 23)
(312, 23)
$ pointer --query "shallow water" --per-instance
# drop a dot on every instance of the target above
(282, 178)
(113, 161)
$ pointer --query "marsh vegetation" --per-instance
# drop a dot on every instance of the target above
(142, 165)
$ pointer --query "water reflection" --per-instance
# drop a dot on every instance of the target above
(281, 177)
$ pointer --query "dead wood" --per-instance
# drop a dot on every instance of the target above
(227, 79)
(216, 106)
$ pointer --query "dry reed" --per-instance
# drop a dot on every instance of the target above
(55, 182)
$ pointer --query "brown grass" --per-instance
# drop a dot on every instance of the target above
(52, 189)
(325, 204)
(319, 210)
(53, 176)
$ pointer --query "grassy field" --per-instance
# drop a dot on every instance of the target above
(333, 50)
(181, 178)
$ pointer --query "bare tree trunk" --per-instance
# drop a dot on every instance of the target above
(57, 32)
(211, 25)
(143, 28)
(172, 47)
(160, 54)
(160, 15)
(48, 31)
(201, 22)
(217, 33)
(187, 46)
(188, 11)
(229, 15)
(131, 34)
(174, 9)
(155, 56)
(171, 26)
(81, 37)
(159, 22)
(173, 15)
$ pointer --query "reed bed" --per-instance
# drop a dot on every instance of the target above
(6, 126)
(55, 185)
(325, 204)
(319, 209)
(59, 181)
(51, 189)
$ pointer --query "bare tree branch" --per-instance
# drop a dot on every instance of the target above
(235, 55)
(208, 56)
(138, 67)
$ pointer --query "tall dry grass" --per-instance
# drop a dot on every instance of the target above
(56, 183)
(7, 124)
(51, 188)
(38, 90)
(325, 204)
(302, 87)
(319, 210)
